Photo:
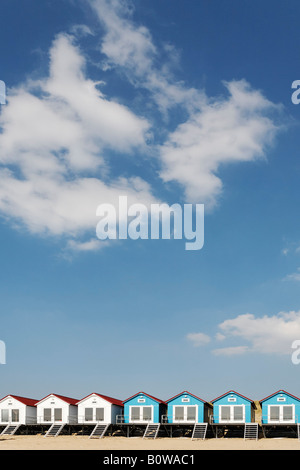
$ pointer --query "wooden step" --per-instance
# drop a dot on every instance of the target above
(99, 431)
(54, 430)
(10, 429)
(251, 431)
(199, 431)
(151, 431)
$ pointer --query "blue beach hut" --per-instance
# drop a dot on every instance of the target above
(187, 408)
(280, 408)
(233, 408)
(142, 408)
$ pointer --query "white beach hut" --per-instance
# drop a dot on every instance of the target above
(56, 410)
(15, 411)
(100, 411)
(96, 408)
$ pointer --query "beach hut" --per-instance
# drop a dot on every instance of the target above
(187, 408)
(233, 408)
(280, 408)
(57, 409)
(142, 408)
(96, 408)
(15, 411)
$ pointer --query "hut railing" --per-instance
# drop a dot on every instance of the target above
(30, 420)
(265, 419)
(11, 422)
(121, 419)
(82, 420)
(165, 419)
(212, 420)
(68, 420)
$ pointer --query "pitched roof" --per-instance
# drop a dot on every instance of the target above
(279, 391)
(236, 393)
(113, 401)
(24, 400)
(147, 395)
(185, 392)
(70, 401)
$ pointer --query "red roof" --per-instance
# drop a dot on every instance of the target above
(279, 391)
(187, 393)
(232, 391)
(113, 401)
(71, 401)
(24, 400)
(143, 393)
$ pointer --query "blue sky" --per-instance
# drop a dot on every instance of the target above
(173, 101)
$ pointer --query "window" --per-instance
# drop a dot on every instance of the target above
(185, 413)
(4, 416)
(287, 413)
(88, 415)
(57, 414)
(274, 413)
(99, 414)
(47, 414)
(135, 413)
(238, 413)
(140, 413)
(179, 413)
(225, 413)
(281, 413)
(191, 413)
(147, 413)
(15, 416)
(232, 413)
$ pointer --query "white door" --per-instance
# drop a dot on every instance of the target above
(52, 414)
(281, 413)
(10, 416)
(232, 413)
(141, 414)
(185, 413)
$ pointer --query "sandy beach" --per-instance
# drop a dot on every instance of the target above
(39, 442)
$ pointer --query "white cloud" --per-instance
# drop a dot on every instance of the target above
(267, 334)
(56, 135)
(68, 116)
(220, 337)
(90, 245)
(198, 339)
(230, 130)
(272, 334)
(219, 131)
(131, 47)
(58, 132)
(293, 276)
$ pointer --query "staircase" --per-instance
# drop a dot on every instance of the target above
(54, 430)
(10, 429)
(99, 431)
(199, 431)
(251, 431)
(151, 431)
